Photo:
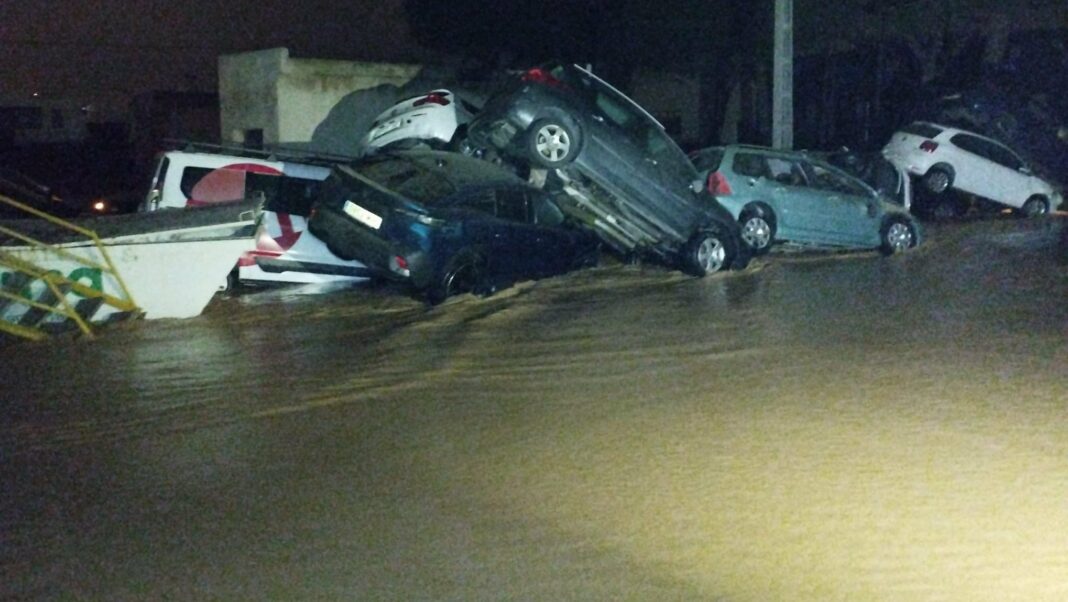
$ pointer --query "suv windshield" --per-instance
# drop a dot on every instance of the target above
(639, 127)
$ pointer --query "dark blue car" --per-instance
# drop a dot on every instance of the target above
(446, 223)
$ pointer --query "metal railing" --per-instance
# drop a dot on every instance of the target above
(57, 286)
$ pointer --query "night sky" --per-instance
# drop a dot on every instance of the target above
(103, 49)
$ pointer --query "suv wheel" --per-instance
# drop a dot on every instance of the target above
(551, 143)
(708, 252)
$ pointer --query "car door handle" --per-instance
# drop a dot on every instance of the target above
(598, 118)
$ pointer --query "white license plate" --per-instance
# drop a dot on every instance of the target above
(362, 215)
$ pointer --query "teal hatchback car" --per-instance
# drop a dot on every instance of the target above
(787, 196)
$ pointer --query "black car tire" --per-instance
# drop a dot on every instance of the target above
(463, 273)
(938, 179)
(758, 228)
(551, 143)
(1035, 206)
(709, 250)
(896, 235)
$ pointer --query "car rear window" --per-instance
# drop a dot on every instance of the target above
(922, 129)
(409, 181)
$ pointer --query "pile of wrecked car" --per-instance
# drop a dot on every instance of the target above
(451, 197)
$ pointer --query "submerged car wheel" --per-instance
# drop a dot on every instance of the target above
(1034, 207)
(708, 252)
(551, 144)
(937, 180)
(758, 229)
(897, 235)
(464, 273)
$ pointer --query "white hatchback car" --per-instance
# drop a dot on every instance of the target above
(432, 119)
(947, 157)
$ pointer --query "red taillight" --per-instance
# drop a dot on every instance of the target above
(434, 98)
(401, 263)
(928, 146)
(718, 185)
(541, 76)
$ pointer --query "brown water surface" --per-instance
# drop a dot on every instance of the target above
(818, 427)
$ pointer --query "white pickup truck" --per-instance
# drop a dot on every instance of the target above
(285, 250)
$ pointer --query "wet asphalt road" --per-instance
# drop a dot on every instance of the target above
(819, 427)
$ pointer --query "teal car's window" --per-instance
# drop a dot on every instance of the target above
(749, 164)
(828, 180)
(787, 172)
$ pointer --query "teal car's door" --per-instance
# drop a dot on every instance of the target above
(844, 210)
(795, 203)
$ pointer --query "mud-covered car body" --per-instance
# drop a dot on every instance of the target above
(793, 197)
(446, 223)
(622, 174)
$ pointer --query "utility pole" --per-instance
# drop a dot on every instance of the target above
(782, 89)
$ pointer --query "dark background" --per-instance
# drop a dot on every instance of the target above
(862, 67)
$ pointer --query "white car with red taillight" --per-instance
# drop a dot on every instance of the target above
(432, 119)
(946, 157)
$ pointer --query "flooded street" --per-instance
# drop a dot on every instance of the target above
(818, 427)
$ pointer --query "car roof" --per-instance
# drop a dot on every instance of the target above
(951, 130)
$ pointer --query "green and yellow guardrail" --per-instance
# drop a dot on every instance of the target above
(53, 298)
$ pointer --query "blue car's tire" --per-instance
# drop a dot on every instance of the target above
(465, 272)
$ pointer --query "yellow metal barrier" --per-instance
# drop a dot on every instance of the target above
(56, 283)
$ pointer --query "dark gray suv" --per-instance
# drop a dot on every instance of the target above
(621, 174)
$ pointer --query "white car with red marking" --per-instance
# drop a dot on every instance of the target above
(285, 250)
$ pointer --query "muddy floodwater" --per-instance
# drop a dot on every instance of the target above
(819, 427)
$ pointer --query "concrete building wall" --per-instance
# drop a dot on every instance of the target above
(287, 98)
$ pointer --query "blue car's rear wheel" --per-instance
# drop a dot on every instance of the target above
(464, 273)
